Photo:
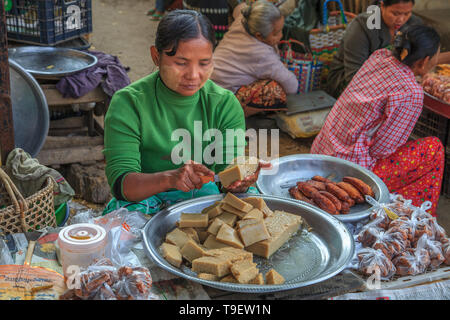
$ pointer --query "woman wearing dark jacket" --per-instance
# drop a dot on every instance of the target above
(361, 40)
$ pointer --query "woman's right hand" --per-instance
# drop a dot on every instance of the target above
(188, 177)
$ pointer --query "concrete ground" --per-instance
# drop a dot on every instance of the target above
(121, 28)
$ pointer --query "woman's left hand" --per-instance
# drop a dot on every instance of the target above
(241, 186)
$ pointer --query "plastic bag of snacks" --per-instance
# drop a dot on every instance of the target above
(446, 250)
(392, 242)
(373, 261)
(412, 261)
(401, 206)
(369, 235)
(434, 249)
(104, 281)
(382, 213)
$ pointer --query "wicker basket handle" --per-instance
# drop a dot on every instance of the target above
(325, 14)
(16, 197)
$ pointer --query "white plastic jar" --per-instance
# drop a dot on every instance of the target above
(80, 244)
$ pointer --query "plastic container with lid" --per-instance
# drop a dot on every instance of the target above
(80, 244)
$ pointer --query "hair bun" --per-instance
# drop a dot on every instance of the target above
(246, 11)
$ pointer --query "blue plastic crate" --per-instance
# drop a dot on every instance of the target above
(48, 22)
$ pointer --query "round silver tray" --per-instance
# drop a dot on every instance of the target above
(50, 62)
(30, 110)
(288, 170)
(307, 258)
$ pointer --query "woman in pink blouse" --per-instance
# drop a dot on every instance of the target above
(247, 61)
(373, 118)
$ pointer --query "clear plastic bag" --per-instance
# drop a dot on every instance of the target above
(104, 281)
(446, 250)
(381, 214)
(434, 250)
(392, 242)
(401, 206)
(369, 235)
(375, 261)
(412, 261)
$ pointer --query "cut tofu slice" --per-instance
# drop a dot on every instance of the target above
(212, 243)
(215, 211)
(228, 218)
(208, 276)
(254, 214)
(215, 226)
(240, 168)
(192, 233)
(273, 277)
(244, 222)
(205, 210)
(196, 220)
(259, 279)
(191, 250)
(231, 253)
(177, 237)
(202, 234)
(229, 236)
(227, 208)
(281, 226)
(172, 254)
(253, 233)
(229, 278)
(214, 265)
(244, 271)
(237, 203)
(259, 204)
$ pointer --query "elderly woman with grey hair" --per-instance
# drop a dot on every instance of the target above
(247, 61)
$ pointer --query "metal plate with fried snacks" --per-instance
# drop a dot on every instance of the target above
(307, 258)
(287, 171)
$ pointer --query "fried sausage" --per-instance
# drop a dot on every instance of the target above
(321, 179)
(324, 203)
(354, 193)
(350, 202)
(317, 184)
(345, 208)
(297, 194)
(360, 185)
(307, 189)
(337, 203)
(337, 192)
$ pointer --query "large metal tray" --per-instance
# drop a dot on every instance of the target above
(30, 110)
(51, 62)
(286, 171)
(306, 259)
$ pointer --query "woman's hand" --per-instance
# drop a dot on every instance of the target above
(188, 177)
(241, 186)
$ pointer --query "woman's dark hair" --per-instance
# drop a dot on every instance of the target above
(416, 43)
(182, 25)
(388, 3)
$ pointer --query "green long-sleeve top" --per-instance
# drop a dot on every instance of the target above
(141, 129)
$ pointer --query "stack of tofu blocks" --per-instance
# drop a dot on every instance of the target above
(219, 243)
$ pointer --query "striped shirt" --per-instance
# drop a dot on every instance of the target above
(374, 115)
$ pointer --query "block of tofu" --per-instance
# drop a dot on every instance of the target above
(281, 226)
(212, 243)
(202, 234)
(259, 279)
(237, 203)
(172, 254)
(244, 222)
(273, 277)
(208, 276)
(253, 233)
(206, 209)
(177, 237)
(228, 218)
(192, 233)
(215, 226)
(229, 236)
(227, 208)
(240, 168)
(215, 211)
(244, 270)
(229, 278)
(231, 253)
(214, 265)
(254, 214)
(259, 204)
(196, 220)
(192, 250)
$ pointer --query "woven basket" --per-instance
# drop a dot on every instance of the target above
(325, 40)
(18, 215)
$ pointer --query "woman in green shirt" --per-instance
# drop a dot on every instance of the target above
(361, 40)
(156, 126)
